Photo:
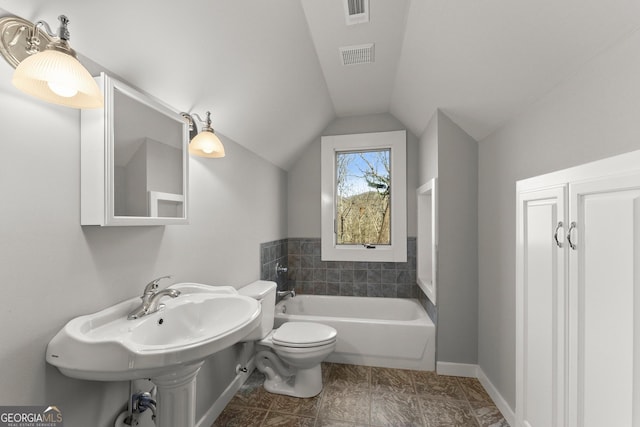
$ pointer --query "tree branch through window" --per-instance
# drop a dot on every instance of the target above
(363, 196)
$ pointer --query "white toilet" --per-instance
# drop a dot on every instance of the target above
(294, 351)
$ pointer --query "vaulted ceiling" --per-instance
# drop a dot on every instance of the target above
(271, 71)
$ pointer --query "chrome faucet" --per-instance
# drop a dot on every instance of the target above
(281, 268)
(282, 294)
(151, 288)
(154, 303)
(151, 299)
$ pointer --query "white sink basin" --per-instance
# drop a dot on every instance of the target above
(106, 346)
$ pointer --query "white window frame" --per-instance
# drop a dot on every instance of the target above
(395, 141)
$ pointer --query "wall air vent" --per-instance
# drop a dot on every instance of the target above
(357, 11)
(361, 54)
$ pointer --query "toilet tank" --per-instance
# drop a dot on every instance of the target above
(265, 292)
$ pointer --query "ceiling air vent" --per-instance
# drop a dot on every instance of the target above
(361, 54)
(357, 11)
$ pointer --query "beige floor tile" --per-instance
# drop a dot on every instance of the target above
(387, 379)
(395, 409)
(434, 385)
(361, 396)
(474, 390)
(236, 416)
(345, 404)
(488, 415)
(335, 423)
(275, 419)
(296, 406)
(253, 397)
(446, 413)
(341, 375)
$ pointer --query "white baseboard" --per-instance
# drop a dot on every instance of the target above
(457, 369)
(221, 402)
(474, 371)
(500, 402)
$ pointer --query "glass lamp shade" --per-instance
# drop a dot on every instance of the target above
(59, 78)
(206, 144)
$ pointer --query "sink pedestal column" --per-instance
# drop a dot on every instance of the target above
(176, 399)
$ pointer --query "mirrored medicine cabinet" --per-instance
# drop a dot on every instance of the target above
(134, 160)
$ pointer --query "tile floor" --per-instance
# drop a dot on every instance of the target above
(367, 396)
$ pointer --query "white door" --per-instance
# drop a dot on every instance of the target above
(541, 300)
(604, 328)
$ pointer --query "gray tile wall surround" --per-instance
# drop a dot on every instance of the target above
(272, 253)
(308, 274)
(431, 309)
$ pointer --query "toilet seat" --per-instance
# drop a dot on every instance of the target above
(303, 335)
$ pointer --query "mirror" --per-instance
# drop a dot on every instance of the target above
(145, 160)
(427, 241)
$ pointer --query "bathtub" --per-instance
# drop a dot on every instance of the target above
(386, 332)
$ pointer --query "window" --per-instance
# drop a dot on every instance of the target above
(363, 202)
(364, 197)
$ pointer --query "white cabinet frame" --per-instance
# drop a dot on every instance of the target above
(596, 331)
(427, 242)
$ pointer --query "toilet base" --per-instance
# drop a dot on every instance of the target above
(302, 383)
(305, 383)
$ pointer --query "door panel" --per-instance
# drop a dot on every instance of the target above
(541, 338)
(604, 274)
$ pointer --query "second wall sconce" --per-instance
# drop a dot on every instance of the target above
(54, 74)
(206, 143)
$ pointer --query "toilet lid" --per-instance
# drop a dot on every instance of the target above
(303, 334)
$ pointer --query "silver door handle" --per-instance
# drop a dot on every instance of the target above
(555, 235)
(571, 227)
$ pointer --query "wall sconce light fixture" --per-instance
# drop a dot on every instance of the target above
(53, 74)
(206, 143)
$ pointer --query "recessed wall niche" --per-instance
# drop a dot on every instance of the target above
(427, 243)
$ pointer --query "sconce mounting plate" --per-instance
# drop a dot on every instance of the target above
(193, 129)
(13, 39)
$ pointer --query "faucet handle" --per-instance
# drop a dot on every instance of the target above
(281, 268)
(153, 285)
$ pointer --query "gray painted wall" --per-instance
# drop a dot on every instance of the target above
(428, 152)
(53, 269)
(450, 154)
(304, 176)
(164, 167)
(458, 243)
(446, 148)
(592, 115)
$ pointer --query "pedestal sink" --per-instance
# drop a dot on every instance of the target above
(168, 346)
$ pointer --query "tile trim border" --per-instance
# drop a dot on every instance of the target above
(475, 371)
